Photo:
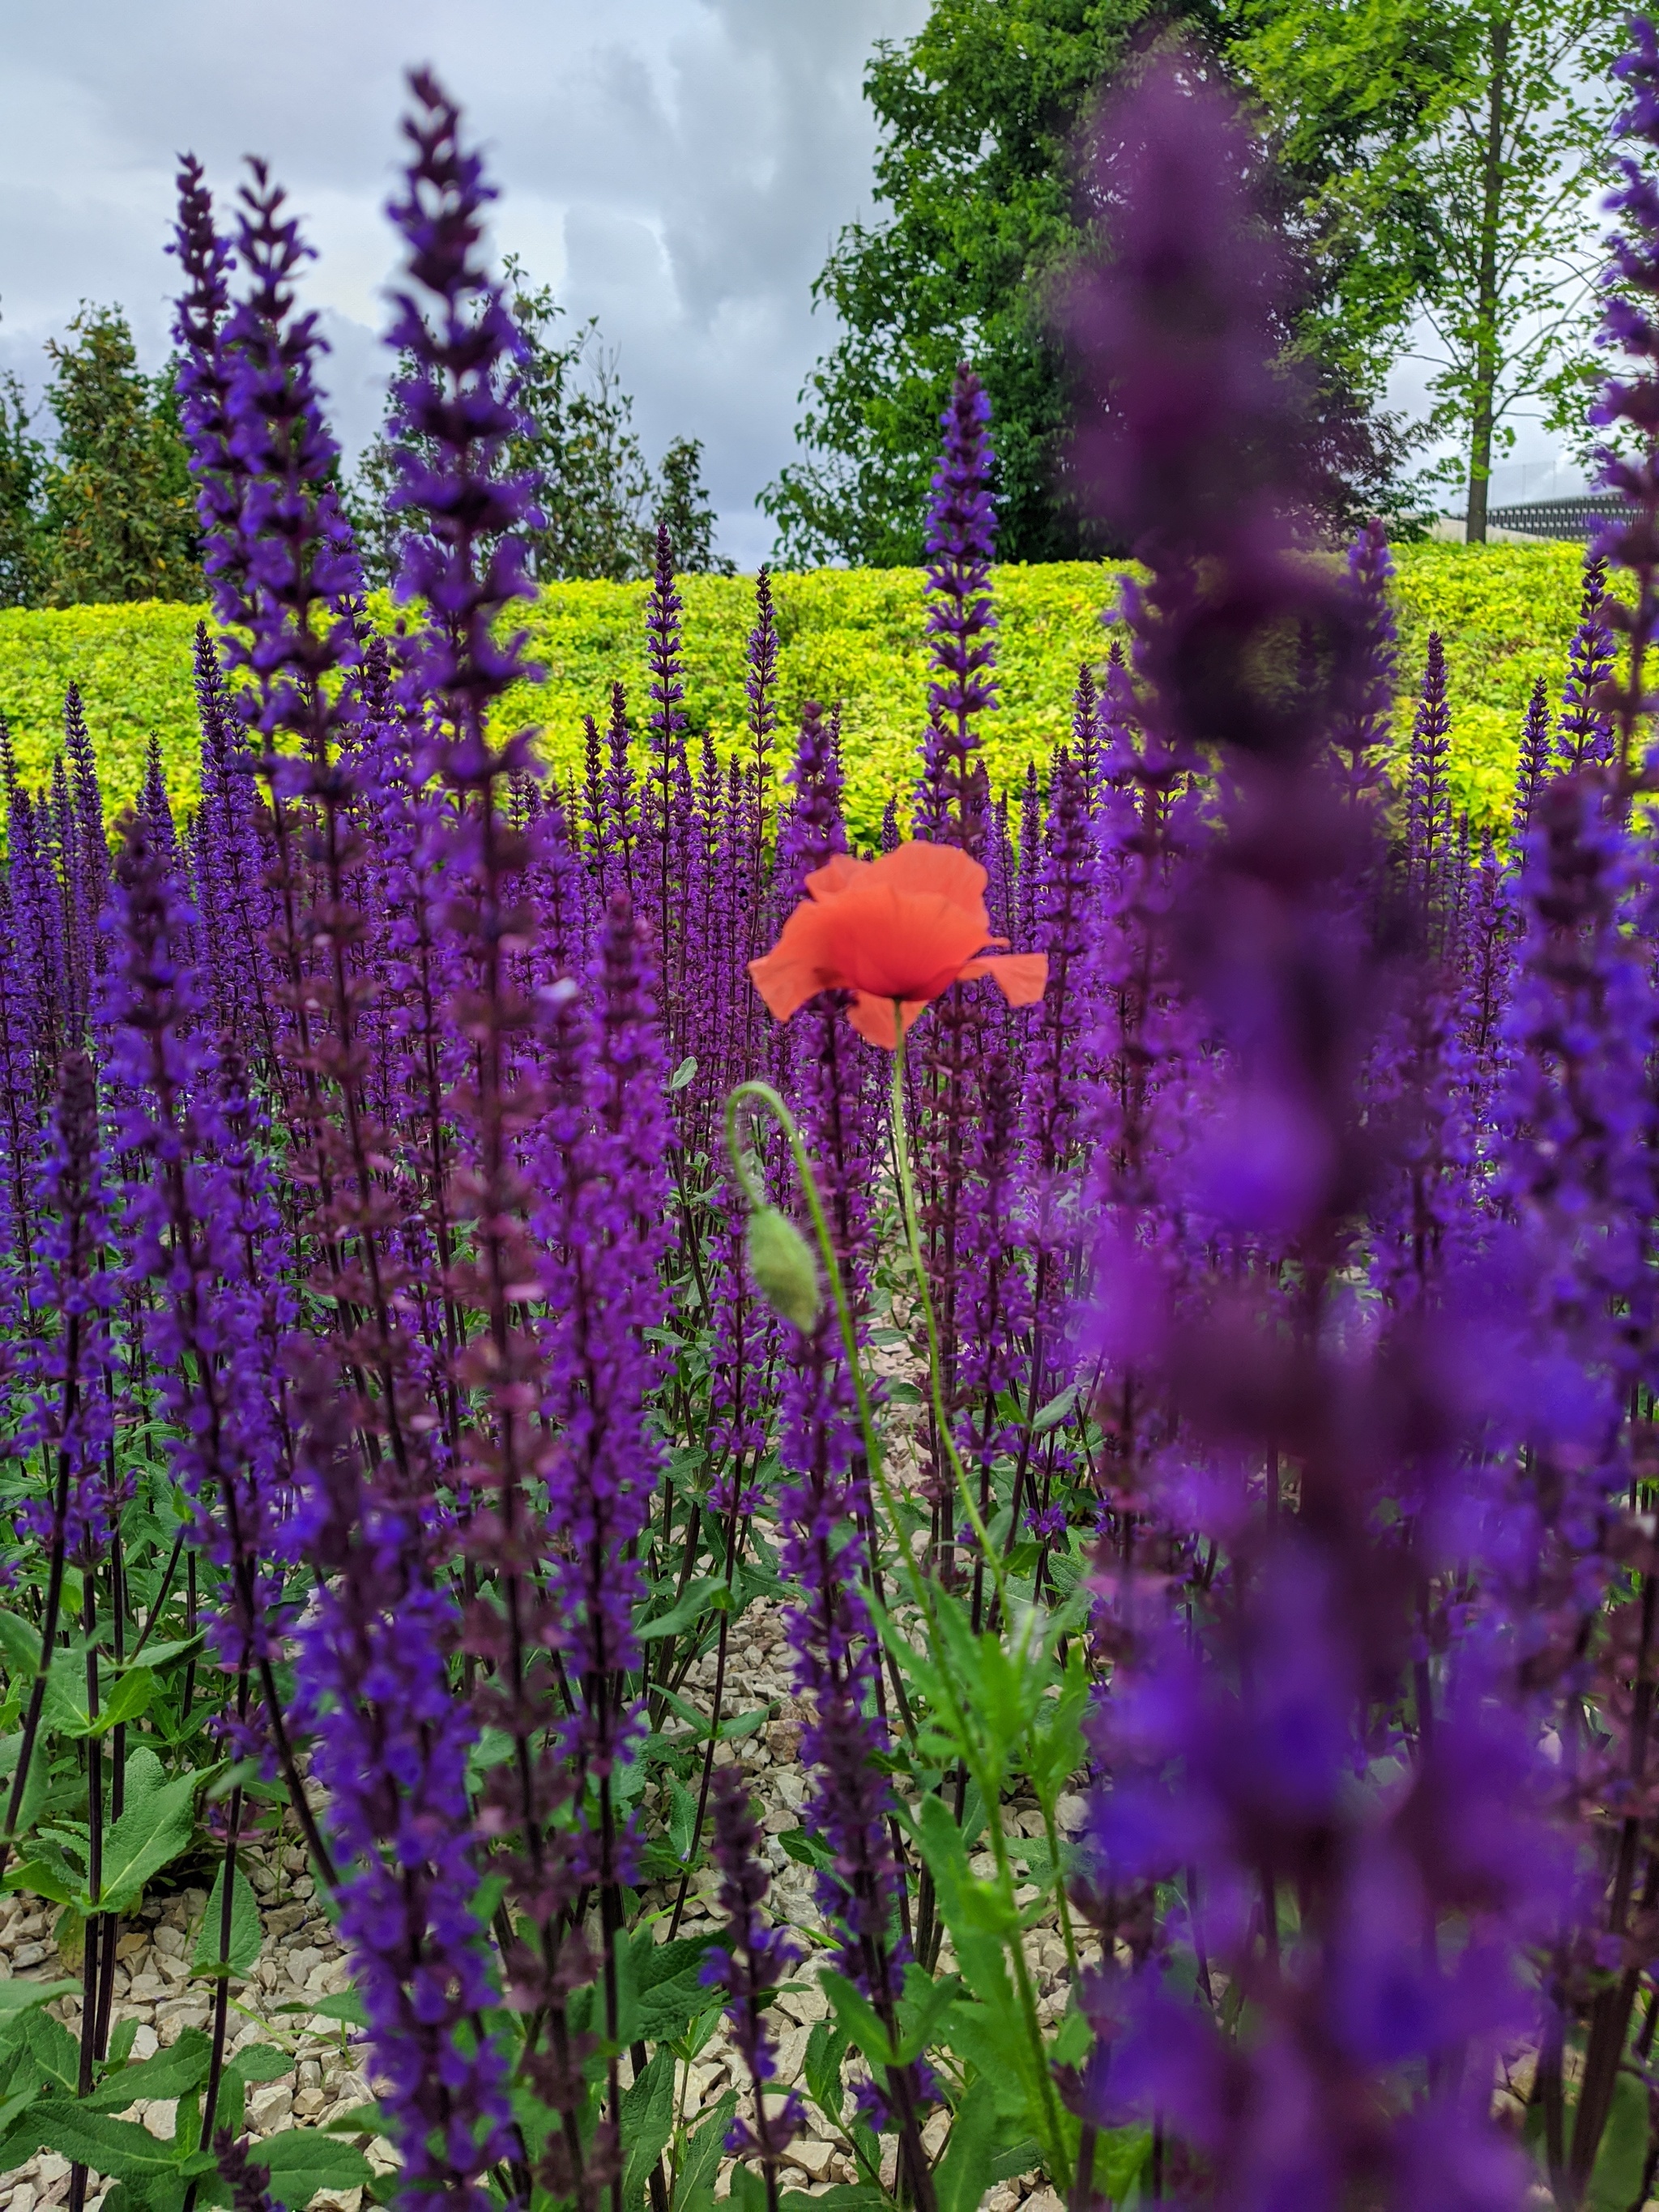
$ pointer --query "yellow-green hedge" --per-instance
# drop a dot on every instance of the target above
(1506, 613)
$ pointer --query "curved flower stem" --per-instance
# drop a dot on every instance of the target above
(913, 1239)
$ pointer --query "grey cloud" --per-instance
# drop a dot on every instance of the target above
(677, 166)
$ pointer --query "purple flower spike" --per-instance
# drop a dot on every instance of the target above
(750, 1962)
(1536, 763)
(1629, 402)
(953, 800)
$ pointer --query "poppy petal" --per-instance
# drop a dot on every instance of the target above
(839, 874)
(944, 871)
(799, 965)
(872, 1017)
(1022, 977)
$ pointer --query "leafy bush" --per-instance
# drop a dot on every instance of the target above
(854, 635)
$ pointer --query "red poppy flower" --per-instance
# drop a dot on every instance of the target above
(905, 927)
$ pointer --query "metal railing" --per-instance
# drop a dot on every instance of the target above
(1558, 518)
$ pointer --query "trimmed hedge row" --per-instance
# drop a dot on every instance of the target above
(1506, 613)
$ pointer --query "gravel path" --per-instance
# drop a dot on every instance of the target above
(300, 1960)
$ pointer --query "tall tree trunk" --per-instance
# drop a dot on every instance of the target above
(1486, 296)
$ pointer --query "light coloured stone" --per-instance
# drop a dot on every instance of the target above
(269, 2105)
(811, 2156)
(1045, 2200)
(159, 2117)
(170, 1942)
(144, 2044)
(50, 2169)
(934, 2133)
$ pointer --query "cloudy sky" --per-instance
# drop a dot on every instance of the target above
(677, 167)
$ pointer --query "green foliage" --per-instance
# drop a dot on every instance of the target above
(23, 468)
(1472, 137)
(684, 506)
(1506, 613)
(975, 112)
(119, 517)
(599, 500)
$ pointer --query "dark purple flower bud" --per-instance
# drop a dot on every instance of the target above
(953, 798)
(748, 1963)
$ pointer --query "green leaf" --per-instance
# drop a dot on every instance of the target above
(247, 1934)
(18, 1995)
(826, 2054)
(345, 2005)
(923, 2005)
(157, 1824)
(959, 2178)
(684, 1074)
(699, 1598)
(54, 2052)
(302, 2161)
(704, 2147)
(806, 1848)
(858, 2017)
(659, 1988)
(20, 1646)
(1617, 2180)
(1051, 1415)
(260, 2062)
(120, 2149)
(131, 1696)
(171, 2073)
(35, 1790)
(156, 1655)
(647, 2121)
(40, 1878)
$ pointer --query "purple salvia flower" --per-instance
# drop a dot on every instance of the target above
(837, 1658)
(68, 1412)
(1361, 741)
(812, 831)
(393, 1744)
(667, 779)
(19, 1124)
(748, 1962)
(205, 1325)
(1628, 402)
(1584, 733)
(953, 798)
(622, 792)
(1087, 737)
(1428, 801)
(1537, 761)
(38, 916)
(891, 837)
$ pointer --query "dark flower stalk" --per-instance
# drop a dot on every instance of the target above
(748, 1963)
(953, 798)
(66, 1409)
(1627, 403)
(1428, 801)
(1536, 763)
(1584, 733)
(1361, 737)
(668, 780)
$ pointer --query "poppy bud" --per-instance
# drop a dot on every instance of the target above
(781, 1262)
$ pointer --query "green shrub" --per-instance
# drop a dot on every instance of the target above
(1506, 613)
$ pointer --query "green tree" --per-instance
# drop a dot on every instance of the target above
(118, 518)
(1450, 151)
(684, 504)
(977, 112)
(22, 467)
(598, 498)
